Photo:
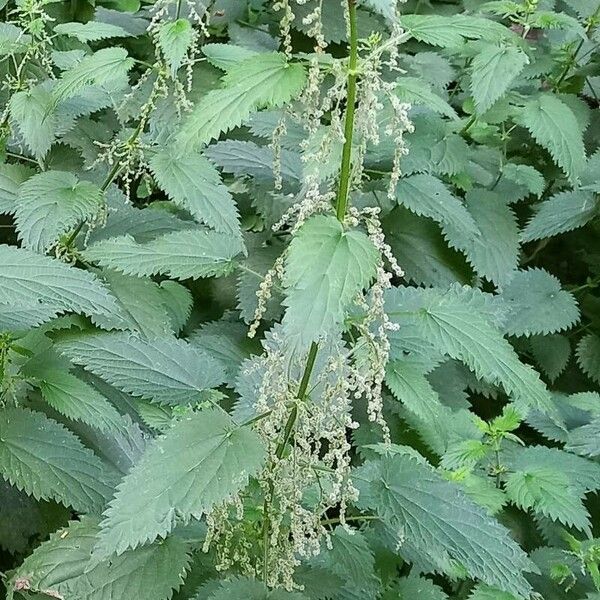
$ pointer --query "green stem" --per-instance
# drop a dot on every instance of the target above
(341, 203)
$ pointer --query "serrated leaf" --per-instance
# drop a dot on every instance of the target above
(27, 277)
(416, 91)
(562, 212)
(62, 568)
(588, 356)
(44, 459)
(247, 589)
(92, 31)
(492, 72)
(494, 252)
(180, 254)
(266, 80)
(201, 461)
(554, 126)
(585, 440)
(194, 184)
(525, 175)
(225, 56)
(166, 370)
(98, 68)
(457, 326)
(415, 587)
(50, 204)
(433, 513)
(486, 592)
(16, 317)
(551, 352)
(178, 301)
(174, 39)
(326, 267)
(537, 304)
(11, 177)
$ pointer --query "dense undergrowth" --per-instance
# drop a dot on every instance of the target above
(299, 300)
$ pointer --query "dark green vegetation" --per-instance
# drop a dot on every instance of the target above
(300, 300)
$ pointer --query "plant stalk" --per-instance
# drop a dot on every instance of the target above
(344, 184)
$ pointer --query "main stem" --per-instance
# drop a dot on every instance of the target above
(340, 206)
(344, 185)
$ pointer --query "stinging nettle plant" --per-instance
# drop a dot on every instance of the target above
(299, 299)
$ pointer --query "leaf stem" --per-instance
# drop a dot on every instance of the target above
(341, 203)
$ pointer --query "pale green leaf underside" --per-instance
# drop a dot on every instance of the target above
(203, 460)
(167, 370)
(43, 458)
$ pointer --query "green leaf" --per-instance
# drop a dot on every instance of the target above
(426, 195)
(326, 267)
(416, 91)
(44, 459)
(167, 370)
(11, 177)
(225, 56)
(201, 461)
(92, 31)
(435, 514)
(494, 252)
(180, 254)
(174, 39)
(585, 440)
(265, 80)
(101, 67)
(485, 592)
(455, 323)
(551, 353)
(195, 185)
(537, 304)
(554, 126)
(492, 72)
(27, 277)
(416, 587)
(16, 317)
(62, 568)
(525, 175)
(588, 356)
(248, 589)
(562, 212)
(50, 204)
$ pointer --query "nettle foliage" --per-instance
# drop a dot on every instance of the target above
(299, 299)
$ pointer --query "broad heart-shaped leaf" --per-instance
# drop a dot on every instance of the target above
(265, 80)
(195, 185)
(551, 353)
(180, 254)
(494, 252)
(432, 513)
(549, 493)
(588, 356)
(101, 67)
(51, 203)
(554, 126)
(326, 267)
(492, 72)
(455, 323)
(562, 212)
(201, 461)
(27, 278)
(538, 304)
(174, 39)
(41, 457)
(62, 568)
(426, 195)
(167, 370)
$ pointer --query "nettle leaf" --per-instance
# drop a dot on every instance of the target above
(265, 80)
(588, 356)
(537, 304)
(415, 586)
(247, 589)
(101, 67)
(426, 195)
(416, 91)
(27, 278)
(554, 126)
(326, 267)
(551, 353)
(11, 177)
(494, 252)
(457, 326)
(435, 514)
(62, 568)
(562, 212)
(92, 31)
(585, 440)
(201, 461)
(225, 56)
(50, 204)
(195, 185)
(525, 175)
(486, 592)
(181, 254)
(16, 317)
(492, 72)
(174, 39)
(167, 370)
(43, 458)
